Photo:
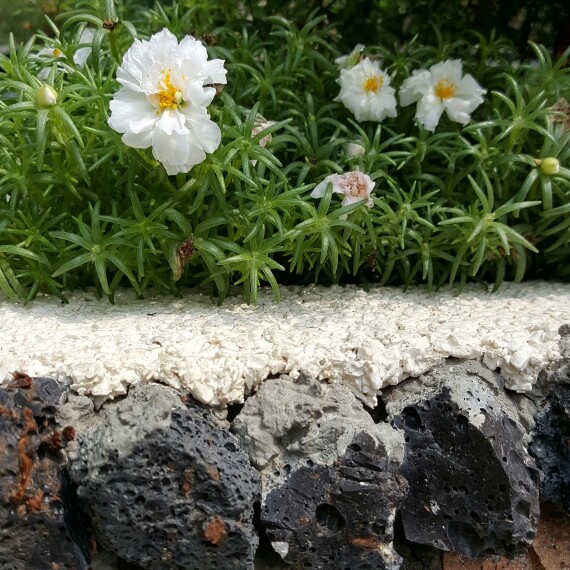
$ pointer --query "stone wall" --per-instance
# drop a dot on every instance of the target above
(448, 468)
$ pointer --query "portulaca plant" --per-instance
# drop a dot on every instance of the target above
(208, 145)
(166, 89)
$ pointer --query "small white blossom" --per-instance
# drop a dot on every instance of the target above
(79, 57)
(163, 99)
(365, 91)
(442, 88)
(355, 186)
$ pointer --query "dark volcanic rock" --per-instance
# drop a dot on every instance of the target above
(338, 516)
(329, 475)
(165, 487)
(37, 528)
(551, 436)
(473, 486)
(551, 447)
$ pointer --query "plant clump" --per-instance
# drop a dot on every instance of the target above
(219, 143)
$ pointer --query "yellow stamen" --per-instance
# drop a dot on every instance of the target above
(373, 84)
(444, 89)
(169, 97)
(56, 52)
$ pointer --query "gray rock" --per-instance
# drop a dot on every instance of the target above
(329, 483)
(473, 485)
(39, 527)
(165, 487)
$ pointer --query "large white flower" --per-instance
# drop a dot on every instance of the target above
(442, 88)
(365, 91)
(355, 186)
(163, 101)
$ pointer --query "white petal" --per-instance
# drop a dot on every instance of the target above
(457, 110)
(172, 149)
(429, 110)
(449, 70)
(321, 188)
(127, 108)
(383, 105)
(470, 90)
(172, 121)
(415, 87)
(163, 46)
(43, 74)
(209, 136)
(178, 153)
(138, 140)
(196, 94)
(193, 50)
(80, 56)
(347, 200)
(214, 71)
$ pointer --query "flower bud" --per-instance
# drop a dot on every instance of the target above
(550, 166)
(350, 60)
(47, 96)
(354, 149)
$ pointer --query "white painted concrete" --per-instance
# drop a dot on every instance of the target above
(367, 340)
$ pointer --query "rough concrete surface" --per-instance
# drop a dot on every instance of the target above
(366, 340)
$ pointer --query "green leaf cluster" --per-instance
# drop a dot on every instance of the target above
(78, 208)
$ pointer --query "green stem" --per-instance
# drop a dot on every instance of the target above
(114, 46)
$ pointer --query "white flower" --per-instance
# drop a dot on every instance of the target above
(79, 57)
(442, 88)
(354, 185)
(365, 91)
(163, 101)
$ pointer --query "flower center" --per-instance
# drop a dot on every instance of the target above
(445, 89)
(373, 84)
(56, 52)
(169, 97)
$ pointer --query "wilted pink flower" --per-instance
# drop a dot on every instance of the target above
(354, 185)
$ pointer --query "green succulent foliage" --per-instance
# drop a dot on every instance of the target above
(489, 201)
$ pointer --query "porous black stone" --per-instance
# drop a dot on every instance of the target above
(181, 496)
(37, 528)
(473, 485)
(338, 516)
(550, 443)
(551, 446)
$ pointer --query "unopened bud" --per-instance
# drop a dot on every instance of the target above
(350, 60)
(47, 96)
(550, 166)
(354, 149)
